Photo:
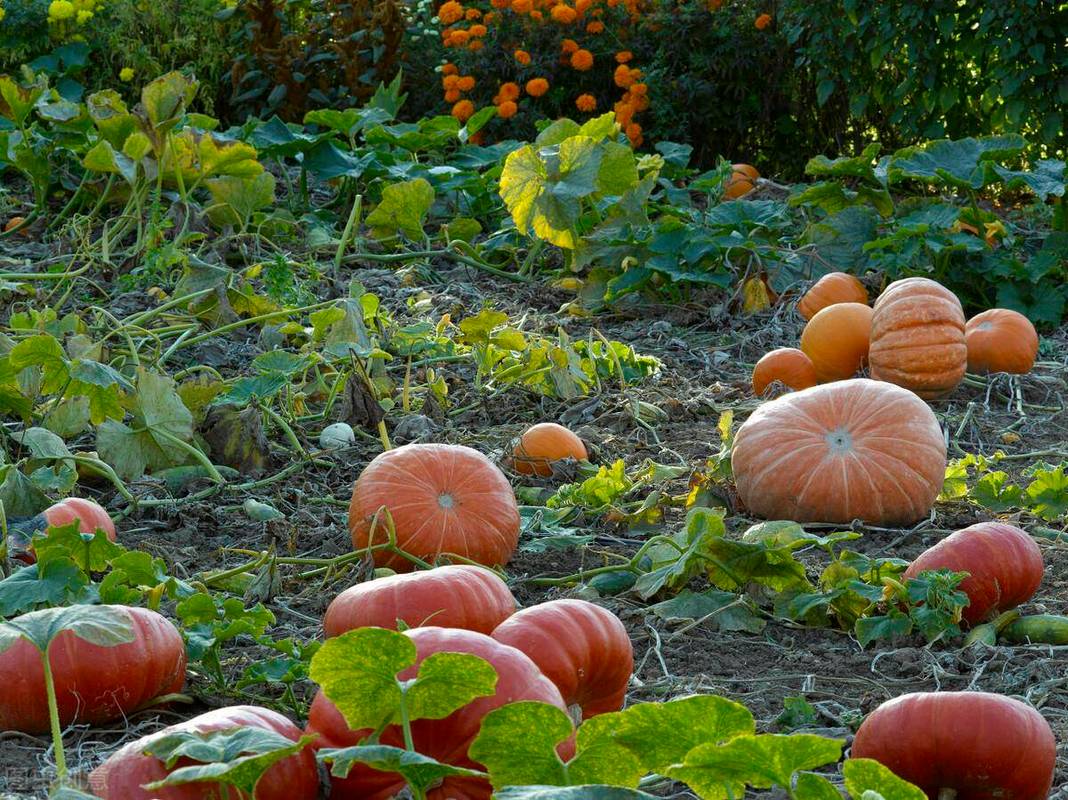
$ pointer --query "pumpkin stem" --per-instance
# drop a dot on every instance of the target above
(947, 793)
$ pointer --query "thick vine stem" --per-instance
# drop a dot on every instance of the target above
(53, 719)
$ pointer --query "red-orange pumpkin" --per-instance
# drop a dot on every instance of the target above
(741, 182)
(128, 769)
(787, 365)
(543, 444)
(94, 684)
(582, 648)
(447, 740)
(836, 340)
(856, 449)
(443, 499)
(835, 287)
(1004, 566)
(917, 338)
(458, 596)
(89, 515)
(964, 745)
(1001, 340)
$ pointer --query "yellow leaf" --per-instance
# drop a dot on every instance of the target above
(755, 296)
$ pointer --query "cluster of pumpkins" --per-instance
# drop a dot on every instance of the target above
(915, 336)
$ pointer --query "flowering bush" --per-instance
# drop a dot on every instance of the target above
(543, 58)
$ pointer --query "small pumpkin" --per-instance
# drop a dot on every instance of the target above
(834, 287)
(741, 182)
(836, 340)
(1001, 340)
(14, 223)
(90, 517)
(448, 739)
(787, 365)
(917, 338)
(128, 769)
(93, 684)
(543, 444)
(443, 498)
(455, 596)
(962, 745)
(1004, 566)
(856, 449)
(581, 647)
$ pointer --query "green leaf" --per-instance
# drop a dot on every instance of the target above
(720, 611)
(992, 491)
(104, 626)
(55, 583)
(517, 744)
(866, 775)
(1048, 493)
(44, 351)
(111, 117)
(92, 552)
(20, 495)
(42, 443)
(890, 626)
(448, 681)
(961, 163)
(103, 157)
(717, 772)
(811, 786)
(237, 198)
(570, 793)
(17, 101)
(1046, 180)
(102, 385)
(418, 771)
(619, 169)
(165, 99)
(403, 209)
(847, 167)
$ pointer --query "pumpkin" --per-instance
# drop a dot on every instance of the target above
(443, 498)
(544, 443)
(741, 182)
(14, 223)
(447, 740)
(836, 340)
(963, 745)
(125, 772)
(1003, 563)
(89, 515)
(787, 365)
(581, 647)
(834, 287)
(458, 596)
(856, 449)
(93, 684)
(1000, 340)
(917, 337)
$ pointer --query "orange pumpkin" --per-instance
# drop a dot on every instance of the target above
(835, 287)
(544, 443)
(741, 182)
(856, 449)
(917, 337)
(13, 223)
(1001, 340)
(443, 498)
(836, 340)
(787, 365)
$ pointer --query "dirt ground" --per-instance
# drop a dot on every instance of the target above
(707, 352)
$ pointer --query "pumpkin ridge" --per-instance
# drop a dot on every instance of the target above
(786, 456)
(893, 479)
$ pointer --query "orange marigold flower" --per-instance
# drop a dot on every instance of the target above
(622, 76)
(623, 56)
(450, 81)
(522, 56)
(476, 44)
(448, 69)
(595, 27)
(582, 60)
(466, 83)
(641, 102)
(509, 91)
(522, 6)
(762, 21)
(639, 88)
(612, 3)
(460, 36)
(564, 14)
(507, 109)
(500, 3)
(536, 87)
(463, 110)
(488, 19)
(635, 75)
(472, 13)
(477, 30)
(582, 6)
(450, 12)
(569, 46)
(452, 95)
(536, 15)
(624, 114)
(586, 102)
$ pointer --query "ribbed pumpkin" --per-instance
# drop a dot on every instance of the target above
(787, 365)
(443, 499)
(124, 774)
(741, 182)
(962, 745)
(917, 338)
(454, 596)
(835, 287)
(90, 516)
(448, 739)
(543, 444)
(1003, 563)
(1001, 340)
(581, 647)
(856, 449)
(836, 340)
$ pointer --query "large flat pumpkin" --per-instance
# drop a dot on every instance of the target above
(856, 449)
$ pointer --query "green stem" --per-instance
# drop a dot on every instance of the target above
(353, 221)
(393, 258)
(53, 719)
(241, 323)
(195, 452)
(286, 429)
